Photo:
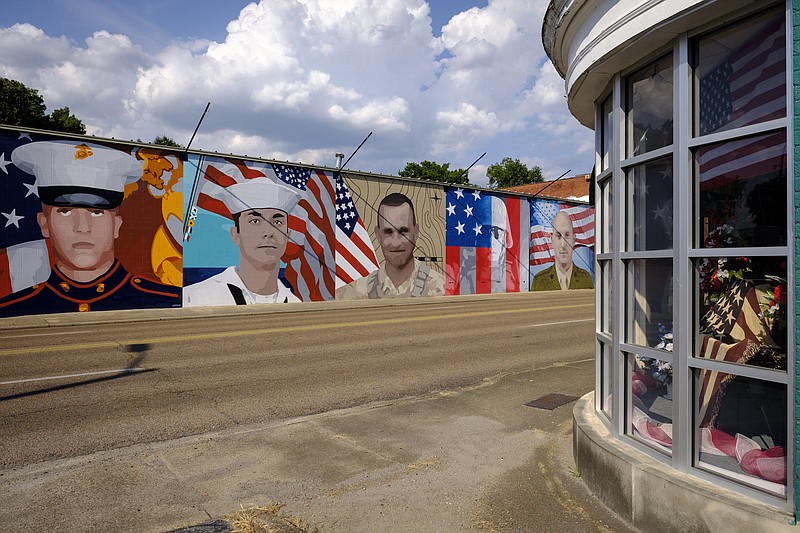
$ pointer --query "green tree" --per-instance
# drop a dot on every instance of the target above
(429, 170)
(512, 172)
(23, 106)
(163, 140)
(62, 120)
(20, 106)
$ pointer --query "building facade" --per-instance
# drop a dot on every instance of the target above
(693, 107)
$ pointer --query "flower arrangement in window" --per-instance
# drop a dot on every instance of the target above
(661, 371)
(716, 272)
(773, 306)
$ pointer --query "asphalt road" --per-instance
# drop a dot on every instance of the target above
(69, 391)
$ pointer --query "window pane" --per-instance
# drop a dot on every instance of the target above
(606, 378)
(650, 108)
(608, 297)
(742, 192)
(607, 216)
(651, 402)
(650, 302)
(741, 73)
(606, 112)
(743, 429)
(652, 206)
(742, 311)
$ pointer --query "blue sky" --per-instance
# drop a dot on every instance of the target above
(300, 80)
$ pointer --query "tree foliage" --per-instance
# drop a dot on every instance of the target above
(430, 170)
(23, 106)
(163, 140)
(20, 106)
(62, 120)
(512, 172)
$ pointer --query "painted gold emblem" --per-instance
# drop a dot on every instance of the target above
(64, 286)
(83, 307)
(82, 151)
(101, 287)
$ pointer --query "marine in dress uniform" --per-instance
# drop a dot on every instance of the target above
(81, 186)
(260, 209)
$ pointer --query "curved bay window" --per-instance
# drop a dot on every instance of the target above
(695, 265)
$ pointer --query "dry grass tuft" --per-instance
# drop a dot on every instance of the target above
(267, 519)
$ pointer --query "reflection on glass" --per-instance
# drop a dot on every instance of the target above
(608, 297)
(742, 425)
(607, 217)
(651, 401)
(650, 108)
(650, 302)
(652, 206)
(742, 310)
(607, 116)
(741, 73)
(742, 192)
(605, 382)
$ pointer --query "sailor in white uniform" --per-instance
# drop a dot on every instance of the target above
(260, 209)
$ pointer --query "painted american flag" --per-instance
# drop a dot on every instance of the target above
(355, 257)
(542, 214)
(484, 236)
(309, 257)
(24, 258)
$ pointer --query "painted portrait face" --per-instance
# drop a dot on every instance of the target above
(499, 231)
(82, 238)
(397, 233)
(262, 236)
(563, 240)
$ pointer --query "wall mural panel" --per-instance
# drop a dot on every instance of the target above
(96, 224)
(88, 226)
(404, 229)
(562, 245)
(487, 242)
(261, 233)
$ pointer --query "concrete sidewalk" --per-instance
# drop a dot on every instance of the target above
(474, 459)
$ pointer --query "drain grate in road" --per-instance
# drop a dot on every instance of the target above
(551, 401)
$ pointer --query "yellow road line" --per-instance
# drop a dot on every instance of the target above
(284, 329)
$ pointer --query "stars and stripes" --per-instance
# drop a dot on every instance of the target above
(736, 316)
(485, 235)
(310, 271)
(543, 213)
(355, 257)
(733, 331)
(24, 258)
(310, 262)
(746, 88)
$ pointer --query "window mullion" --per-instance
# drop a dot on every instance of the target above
(682, 271)
(619, 127)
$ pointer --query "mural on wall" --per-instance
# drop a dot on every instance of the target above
(265, 233)
(99, 225)
(88, 226)
(562, 245)
(404, 258)
(487, 242)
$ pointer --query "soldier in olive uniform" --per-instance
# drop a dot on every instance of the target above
(564, 274)
(401, 275)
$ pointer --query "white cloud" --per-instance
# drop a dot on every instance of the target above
(303, 79)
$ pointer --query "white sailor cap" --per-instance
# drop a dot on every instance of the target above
(260, 193)
(78, 174)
